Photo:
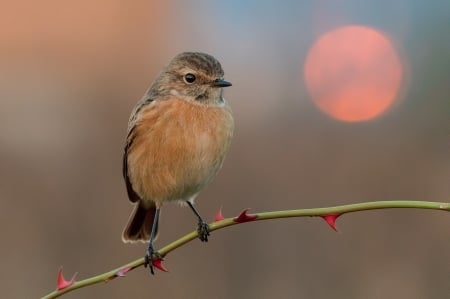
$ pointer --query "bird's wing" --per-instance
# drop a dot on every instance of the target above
(147, 99)
(132, 195)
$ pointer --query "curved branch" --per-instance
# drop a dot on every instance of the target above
(329, 214)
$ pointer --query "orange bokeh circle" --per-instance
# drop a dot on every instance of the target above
(353, 73)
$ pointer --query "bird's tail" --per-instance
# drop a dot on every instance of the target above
(140, 224)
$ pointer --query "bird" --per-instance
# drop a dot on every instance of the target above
(177, 138)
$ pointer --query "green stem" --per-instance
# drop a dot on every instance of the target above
(337, 210)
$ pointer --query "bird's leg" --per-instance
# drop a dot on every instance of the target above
(150, 250)
(203, 228)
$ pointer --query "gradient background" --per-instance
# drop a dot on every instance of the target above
(70, 73)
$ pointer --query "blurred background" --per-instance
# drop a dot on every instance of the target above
(335, 102)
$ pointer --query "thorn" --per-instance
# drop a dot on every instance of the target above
(122, 272)
(219, 215)
(62, 283)
(245, 217)
(157, 263)
(331, 220)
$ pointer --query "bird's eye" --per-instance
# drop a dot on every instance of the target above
(189, 78)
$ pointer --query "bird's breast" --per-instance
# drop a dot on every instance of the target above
(178, 147)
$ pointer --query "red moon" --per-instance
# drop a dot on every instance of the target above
(353, 73)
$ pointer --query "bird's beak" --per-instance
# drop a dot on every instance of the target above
(220, 83)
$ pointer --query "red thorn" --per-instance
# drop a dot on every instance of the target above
(159, 265)
(245, 217)
(331, 220)
(219, 215)
(122, 272)
(62, 283)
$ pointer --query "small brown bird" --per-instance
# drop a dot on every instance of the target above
(178, 135)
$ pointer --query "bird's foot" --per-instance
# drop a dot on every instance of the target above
(203, 231)
(149, 256)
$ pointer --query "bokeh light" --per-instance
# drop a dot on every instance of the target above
(353, 73)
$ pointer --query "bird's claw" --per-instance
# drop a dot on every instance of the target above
(148, 258)
(203, 231)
